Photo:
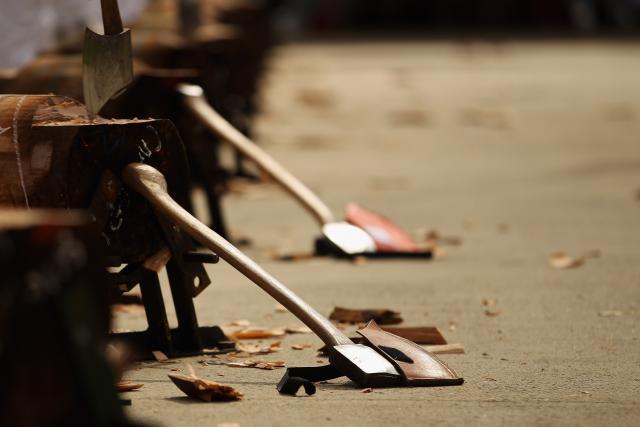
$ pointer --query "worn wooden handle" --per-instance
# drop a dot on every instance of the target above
(150, 183)
(224, 130)
(111, 17)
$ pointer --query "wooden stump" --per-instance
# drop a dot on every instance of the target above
(52, 154)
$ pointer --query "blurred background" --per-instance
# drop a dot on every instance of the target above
(37, 25)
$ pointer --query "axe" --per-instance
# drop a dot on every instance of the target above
(107, 59)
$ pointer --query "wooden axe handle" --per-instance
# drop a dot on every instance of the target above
(111, 17)
(224, 130)
(150, 183)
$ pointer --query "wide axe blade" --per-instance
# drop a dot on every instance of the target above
(107, 67)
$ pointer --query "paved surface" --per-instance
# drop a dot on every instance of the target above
(519, 149)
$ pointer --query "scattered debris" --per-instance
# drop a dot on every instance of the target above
(366, 390)
(258, 364)
(610, 313)
(359, 260)
(561, 260)
(279, 308)
(408, 118)
(485, 118)
(300, 346)
(503, 228)
(298, 330)
(433, 238)
(315, 98)
(253, 349)
(381, 316)
(243, 323)
(453, 326)
(489, 302)
(124, 386)
(207, 391)
(127, 309)
(492, 313)
(257, 333)
(445, 349)
(159, 356)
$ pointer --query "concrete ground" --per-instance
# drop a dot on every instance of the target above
(521, 149)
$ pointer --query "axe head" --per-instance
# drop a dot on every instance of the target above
(107, 67)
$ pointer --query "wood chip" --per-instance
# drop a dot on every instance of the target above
(419, 335)
(300, 346)
(159, 356)
(257, 364)
(259, 349)
(352, 316)
(258, 333)
(124, 386)
(445, 349)
(243, 323)
(610, 313)
(489, 302)
(561, 260)
(298, 330)
(207, 391)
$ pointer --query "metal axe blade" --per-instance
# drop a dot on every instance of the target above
(107, 59)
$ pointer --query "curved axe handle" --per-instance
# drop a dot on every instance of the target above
(111, 17)
(200, 107)
(150, 183)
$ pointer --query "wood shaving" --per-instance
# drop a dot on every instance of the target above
(610, 313)
(257, 364)
(124, 386)
(257, 333)
(159, 356)
(207, 391)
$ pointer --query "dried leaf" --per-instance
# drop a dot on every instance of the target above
(207, 391)
(159, 356)
(352, 316)
(124, 386)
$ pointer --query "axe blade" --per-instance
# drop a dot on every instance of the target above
(107, 67)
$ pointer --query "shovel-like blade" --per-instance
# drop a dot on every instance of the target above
(388, 237)
(107, 67)
(417, 365)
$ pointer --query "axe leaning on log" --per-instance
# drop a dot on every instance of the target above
(388, 360)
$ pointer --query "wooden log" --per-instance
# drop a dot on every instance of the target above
(54, 155)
